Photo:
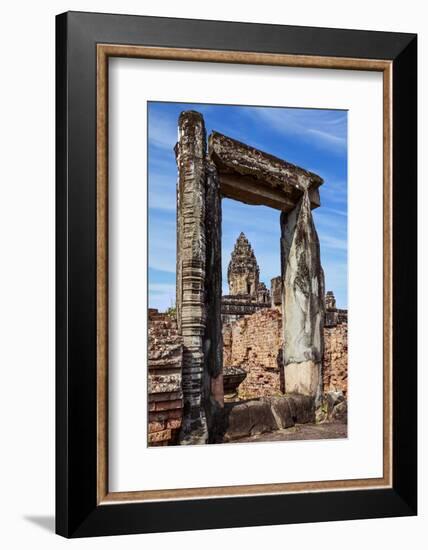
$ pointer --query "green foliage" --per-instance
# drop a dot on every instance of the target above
(172, 311)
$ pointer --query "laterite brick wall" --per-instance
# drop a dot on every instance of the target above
(165, 396)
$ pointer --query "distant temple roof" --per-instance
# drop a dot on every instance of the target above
(242, 258)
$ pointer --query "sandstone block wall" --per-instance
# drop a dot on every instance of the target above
(254, 344)
(165, 396)
(235, 307)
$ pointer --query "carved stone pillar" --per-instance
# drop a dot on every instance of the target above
(302, 302)
(191, 270)
(213, 341)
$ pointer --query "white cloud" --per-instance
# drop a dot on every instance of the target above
(162, 192)
(332, 242)
(334, 191)
(332, 139)
(335, 211)
(321, 129)
(162, 247)
(316, 126)
(162, 131)
(157, 200)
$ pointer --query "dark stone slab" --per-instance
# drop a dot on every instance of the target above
(302, 408)
(249, 418)
(282, 411)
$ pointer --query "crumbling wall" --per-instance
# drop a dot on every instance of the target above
(335, 367)
(254, 344)
(165, 355)
(235, 307)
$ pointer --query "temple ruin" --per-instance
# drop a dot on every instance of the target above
(252, 370)
(207, 172)
(247, 294)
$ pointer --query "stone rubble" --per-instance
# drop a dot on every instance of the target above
(165, 396)
(335, 367)
(249, 418)
(253, 343)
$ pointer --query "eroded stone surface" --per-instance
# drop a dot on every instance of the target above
(282, 411)
(165, 403)
(213, 339)
(213, 397)
(336, 406)
(302, 408)
(255, 177)
(303, 377)
(191, 265)
(276, 292)
(269, 414)
(249, 418)
(238, 171)
(303, 301)
(340, 412)
(301, 432)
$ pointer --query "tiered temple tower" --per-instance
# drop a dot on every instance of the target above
(243, 271)
(333, 315)
(246, 293)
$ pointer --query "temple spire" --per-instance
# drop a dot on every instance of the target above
(243, 271)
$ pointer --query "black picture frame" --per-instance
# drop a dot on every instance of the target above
(77, 511)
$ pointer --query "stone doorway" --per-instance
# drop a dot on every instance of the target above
(251, 314)
(209, 170)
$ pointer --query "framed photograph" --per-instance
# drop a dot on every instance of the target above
(236, 274)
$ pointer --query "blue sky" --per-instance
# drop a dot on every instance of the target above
(314, 139)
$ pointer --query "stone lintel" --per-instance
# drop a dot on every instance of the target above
(255, 177)
(250, 191)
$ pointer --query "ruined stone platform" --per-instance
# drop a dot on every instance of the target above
(248, 418)
(282, 418)
(301, 432)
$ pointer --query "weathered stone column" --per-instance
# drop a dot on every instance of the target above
(213, 340)
(302, 301)
(191, 308)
